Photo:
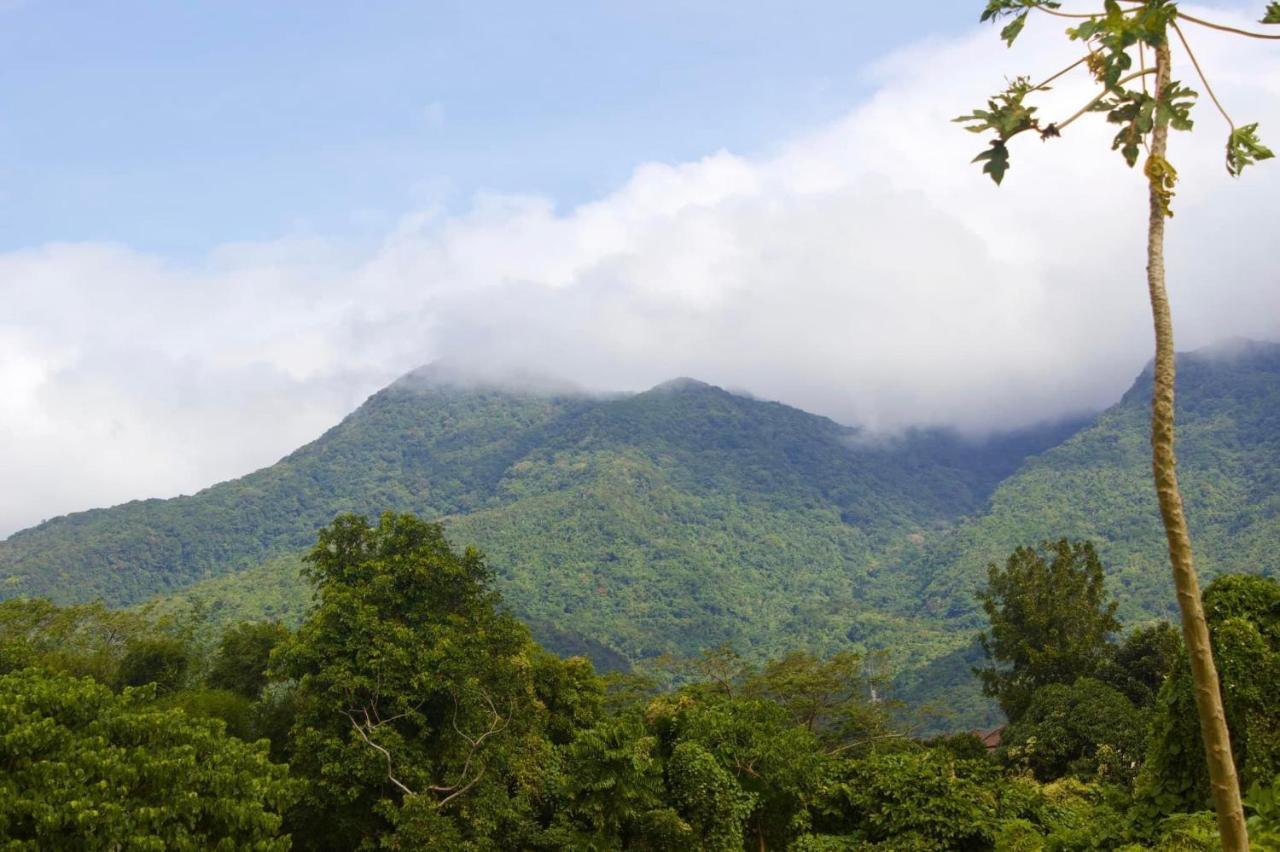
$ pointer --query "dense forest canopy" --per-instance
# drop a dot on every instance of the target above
(411, 710)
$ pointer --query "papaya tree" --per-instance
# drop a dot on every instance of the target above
(1126, 48)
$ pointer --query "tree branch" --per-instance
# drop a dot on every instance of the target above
(1208, 88)
(1135, 75)
(1223, 28)
(359, 729)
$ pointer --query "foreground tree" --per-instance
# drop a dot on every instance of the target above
(423, 704)
(1112, 37)
(1051, 621)
(1244, 621)
(86, 769)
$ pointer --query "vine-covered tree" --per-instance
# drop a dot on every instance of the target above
(1117, 39)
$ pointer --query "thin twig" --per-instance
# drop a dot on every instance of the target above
(894, 736)
(1223, 28)
(1066, 70)
(1203, 79)
(1135, 75)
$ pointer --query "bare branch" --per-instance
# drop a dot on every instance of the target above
(359, 729)
(456, 793)
(895, 736)
(1182, 38)
(1223, 28)
(1066, 70)
(1087, 107)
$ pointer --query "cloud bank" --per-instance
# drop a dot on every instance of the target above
(863, 270)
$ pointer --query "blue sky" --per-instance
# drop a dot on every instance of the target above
(177, 126)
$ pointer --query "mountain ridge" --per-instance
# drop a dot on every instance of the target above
(686, 516)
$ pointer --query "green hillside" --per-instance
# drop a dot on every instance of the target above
(1096, 485)
(663, 521)
(683, 517)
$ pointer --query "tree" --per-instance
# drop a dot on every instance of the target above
(82, 640)
(919, 800)
(1143, 661)
(419, 718)
(1087, 729)
(831, 698)
(1244, 622)
(614, 789)
(240, 663)
(1051, 621)
(1144, 117)
(764, 749)
(86, 769)
(162, 660)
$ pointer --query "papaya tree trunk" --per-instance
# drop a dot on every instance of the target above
(1213, 723)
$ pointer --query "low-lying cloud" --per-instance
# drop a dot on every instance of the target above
(864, 271)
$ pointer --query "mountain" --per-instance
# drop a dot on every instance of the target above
(676, 519)
(669, 520)
(1097, 485)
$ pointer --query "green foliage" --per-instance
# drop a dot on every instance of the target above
(1096, 487)
(1018, 9)
(684, 517)
(240, 662)
(614, 784)
(919, 800)
(1112, 36)
(1244, 149)
(417, 693)
(830, 698)
(86, 769)
(708, 798)
(163, 660)
(1263, 804)
(1272, 15)
(238, 713)
(1137, 113)
(1006, 116)
(687, 517)
(1244, 622)
(415, 713)
(1143, 661)
(1051, 621)
(1086, 729)
(86, 640)
(757, 742)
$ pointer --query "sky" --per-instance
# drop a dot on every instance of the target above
(223, 225)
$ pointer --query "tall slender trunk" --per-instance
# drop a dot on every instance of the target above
(1213, 723)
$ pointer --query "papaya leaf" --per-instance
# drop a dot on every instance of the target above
(1244, 148)
(997, 9)
(996, 160)
(1013, 29)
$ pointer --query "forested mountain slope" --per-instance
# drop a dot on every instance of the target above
(1097, 485)
(686, 516)
(668, 520)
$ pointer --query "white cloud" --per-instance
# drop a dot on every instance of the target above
(865, 271)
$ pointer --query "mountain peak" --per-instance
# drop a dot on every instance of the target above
(683, 384)
(449, 376)
(1234, 349)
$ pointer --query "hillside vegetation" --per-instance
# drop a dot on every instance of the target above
(687, 517)
(664, 521)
